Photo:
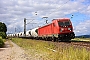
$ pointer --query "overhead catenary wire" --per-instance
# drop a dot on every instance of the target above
(59, 7)
(55, 9)
(79, 11)
(62, 6)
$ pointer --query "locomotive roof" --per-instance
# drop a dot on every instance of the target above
(60, 18)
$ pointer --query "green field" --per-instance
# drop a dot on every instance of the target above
(81, 39)
(44, 50)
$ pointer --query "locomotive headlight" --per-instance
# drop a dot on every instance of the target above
(70, 29)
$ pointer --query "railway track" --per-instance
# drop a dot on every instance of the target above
(76, 44)
(81, 44)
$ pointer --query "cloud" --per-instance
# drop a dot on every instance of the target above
(13, 12)
(82, 28)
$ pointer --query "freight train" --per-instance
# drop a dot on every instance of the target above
(58, 30)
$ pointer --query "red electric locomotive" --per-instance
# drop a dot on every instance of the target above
(59, 29)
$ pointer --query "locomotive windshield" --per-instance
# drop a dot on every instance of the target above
(64, 23)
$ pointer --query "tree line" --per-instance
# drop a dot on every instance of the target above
(3, 30)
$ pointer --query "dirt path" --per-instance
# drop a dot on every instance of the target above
(11, 51)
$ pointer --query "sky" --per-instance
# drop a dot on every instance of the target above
(13, 12)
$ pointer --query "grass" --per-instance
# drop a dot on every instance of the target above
(1, 42)
(43, 50)
(81, 39)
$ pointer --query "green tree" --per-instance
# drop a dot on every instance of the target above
(3, 27)
(3, 30)
(3, 34)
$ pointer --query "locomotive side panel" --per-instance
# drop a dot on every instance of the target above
(45, 30)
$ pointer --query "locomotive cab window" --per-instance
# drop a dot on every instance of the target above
(60, 23)
(64, 23)
(67, 23)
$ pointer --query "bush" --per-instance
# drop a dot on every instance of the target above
(3, 34)
(1, 42)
